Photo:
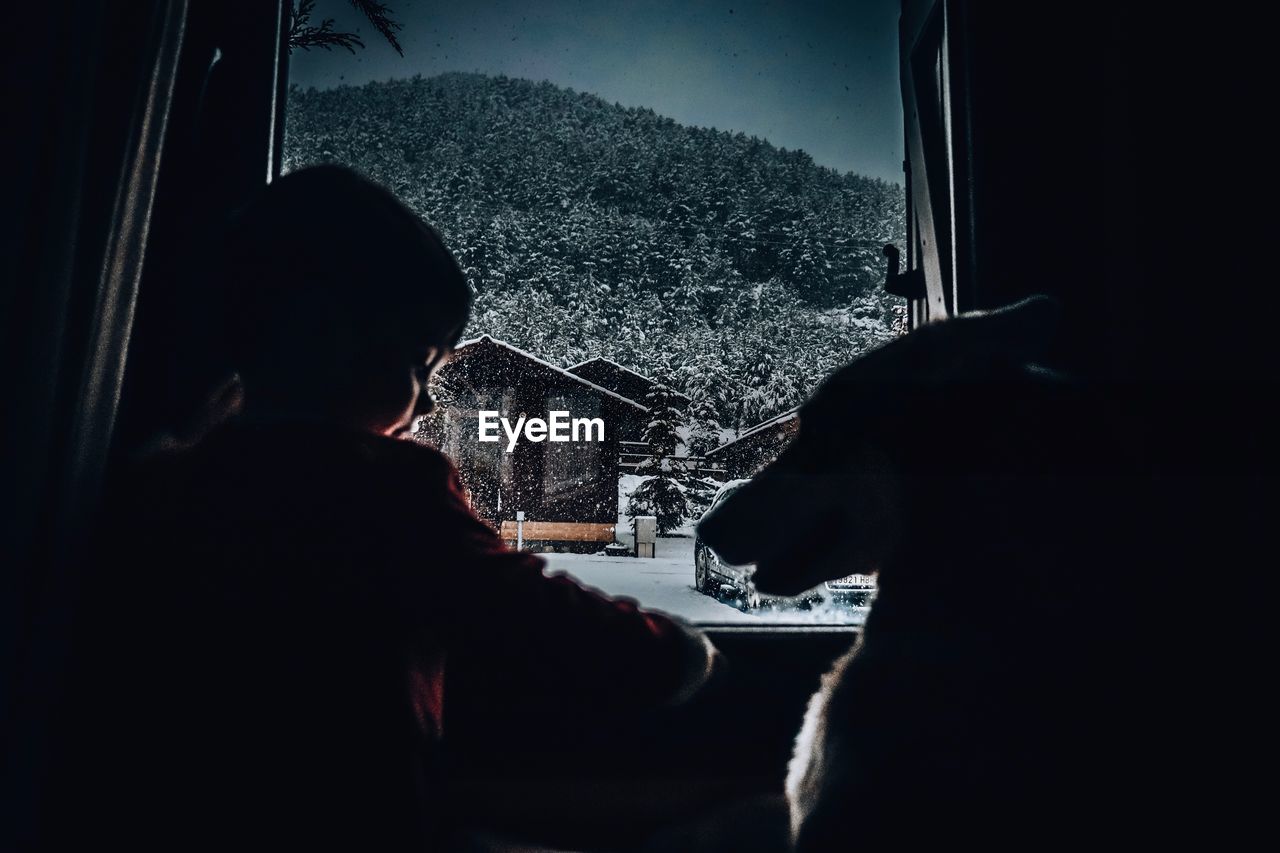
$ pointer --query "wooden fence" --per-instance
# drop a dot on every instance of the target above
(634, 452)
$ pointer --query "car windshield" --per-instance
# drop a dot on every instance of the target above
(673, 216)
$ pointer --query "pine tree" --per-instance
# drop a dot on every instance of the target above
(660, 495)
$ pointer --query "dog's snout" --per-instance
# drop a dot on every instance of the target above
(762, 519)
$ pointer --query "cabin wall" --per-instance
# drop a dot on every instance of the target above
(529, 479)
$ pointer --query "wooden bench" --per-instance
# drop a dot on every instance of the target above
(577, 532)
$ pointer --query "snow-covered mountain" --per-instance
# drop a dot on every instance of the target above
(735, 271)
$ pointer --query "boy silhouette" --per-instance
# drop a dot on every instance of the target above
(266, 655)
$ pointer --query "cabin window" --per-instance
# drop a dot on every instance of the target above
(673, 217)
(570, 466)
(485, 470)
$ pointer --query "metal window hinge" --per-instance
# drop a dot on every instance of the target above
(909, 284)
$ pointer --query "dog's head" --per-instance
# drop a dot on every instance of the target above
(948, 400)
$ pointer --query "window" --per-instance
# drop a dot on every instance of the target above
(568, 465)
(486, 472)
(673, 216)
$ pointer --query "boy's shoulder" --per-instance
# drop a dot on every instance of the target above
(402, 451)
(345, 459)
(421, 470)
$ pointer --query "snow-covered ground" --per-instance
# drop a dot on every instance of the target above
(665, 583)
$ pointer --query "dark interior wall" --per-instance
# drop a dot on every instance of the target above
(104, 102)
(87, 99)
(1110, 155)
(220, 151)
(1048, 148)
(1120, 164)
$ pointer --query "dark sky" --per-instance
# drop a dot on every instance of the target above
(821, 76)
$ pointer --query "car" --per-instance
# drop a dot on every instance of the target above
(713, 576)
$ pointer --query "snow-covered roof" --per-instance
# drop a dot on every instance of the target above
(613, 363)
(607, 361)
(487, 339)
(790, 414)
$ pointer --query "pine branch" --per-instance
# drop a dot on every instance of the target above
(302, 34)
(323, 37)
(380, 16)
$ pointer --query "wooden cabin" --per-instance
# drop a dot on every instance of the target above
(568, 491)
(627, 383)
(755, 448)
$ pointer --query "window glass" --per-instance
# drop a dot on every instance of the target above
(486, 471)
(672, 215)
(568, 466)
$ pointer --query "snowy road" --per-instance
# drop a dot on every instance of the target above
(666, 583)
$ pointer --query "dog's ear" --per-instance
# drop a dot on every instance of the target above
(831, 504)
(958, 349)
(1018, 334)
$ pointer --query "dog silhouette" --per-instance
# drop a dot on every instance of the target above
(972, 482)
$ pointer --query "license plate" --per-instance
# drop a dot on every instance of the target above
(854, 581)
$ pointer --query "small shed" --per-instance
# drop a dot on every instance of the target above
(552, 483)
(756, 447)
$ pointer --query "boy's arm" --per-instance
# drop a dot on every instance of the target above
(546, 634)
